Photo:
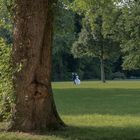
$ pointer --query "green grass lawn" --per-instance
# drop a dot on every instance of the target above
(93, 111)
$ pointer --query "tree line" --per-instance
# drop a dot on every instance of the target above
(98, 40)
(102, 40)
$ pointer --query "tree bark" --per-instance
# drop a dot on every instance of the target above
(33, 31)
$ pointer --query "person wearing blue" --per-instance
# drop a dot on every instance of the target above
(75, 79)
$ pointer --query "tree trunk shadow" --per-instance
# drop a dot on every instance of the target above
(91, 133)
(97, 133)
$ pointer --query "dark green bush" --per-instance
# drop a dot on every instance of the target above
(118, 75)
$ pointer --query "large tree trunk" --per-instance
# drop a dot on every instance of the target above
(35, 108)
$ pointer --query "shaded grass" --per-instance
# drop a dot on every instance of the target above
(93, 111)
(80, 133)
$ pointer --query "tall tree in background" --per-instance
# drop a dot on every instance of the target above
(93, 40)
(131, 35)
(94, 44)
(33, 31)
(124, 27)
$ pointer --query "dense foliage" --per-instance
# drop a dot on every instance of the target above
(131, 38)
(63, 38)
(6, 92)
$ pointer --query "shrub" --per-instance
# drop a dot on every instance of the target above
(6, 90)
(118, 75)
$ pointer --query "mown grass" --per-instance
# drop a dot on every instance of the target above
(93, 111)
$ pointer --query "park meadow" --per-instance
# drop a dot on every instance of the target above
(69, 69)
(92, 111)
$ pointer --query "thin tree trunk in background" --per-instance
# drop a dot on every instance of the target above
(60, 69)
(35, 108)
(102, 66)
